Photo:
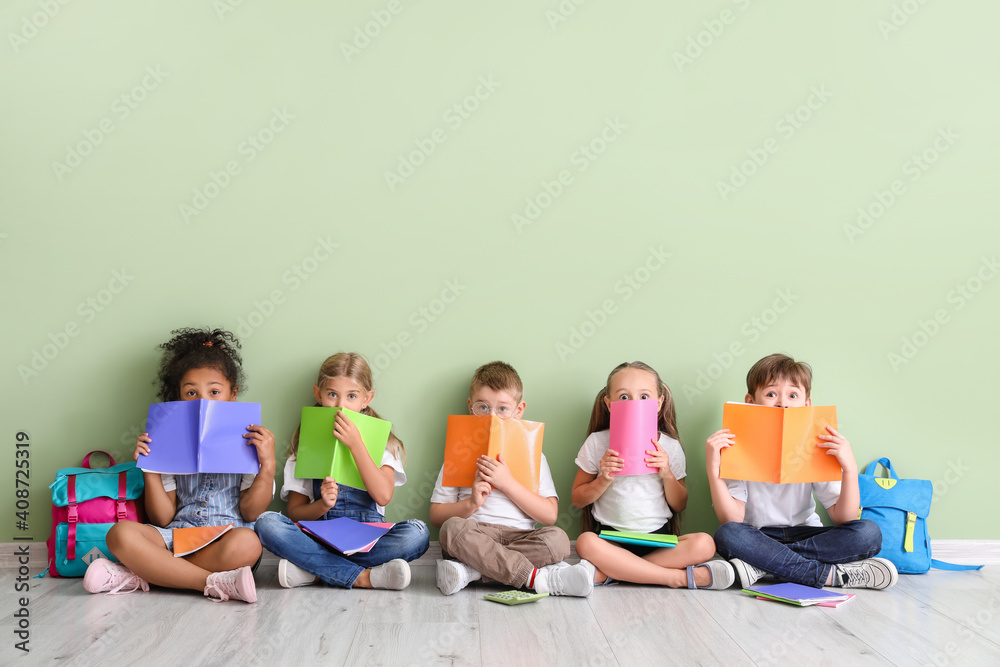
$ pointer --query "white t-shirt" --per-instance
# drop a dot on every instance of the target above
(497, 508)
(783, 504)
(633, 503)
(305, 486)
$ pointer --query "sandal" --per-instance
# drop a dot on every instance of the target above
(720, 572)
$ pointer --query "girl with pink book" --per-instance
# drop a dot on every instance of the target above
(639, 496)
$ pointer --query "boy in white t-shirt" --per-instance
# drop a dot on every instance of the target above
(773, 528)
(490, 528)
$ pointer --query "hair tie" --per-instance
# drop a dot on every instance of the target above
(207, 344)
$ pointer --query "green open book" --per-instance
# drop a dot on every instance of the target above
(644, 539)
(322, 455)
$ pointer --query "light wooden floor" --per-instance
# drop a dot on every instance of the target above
(938, 618)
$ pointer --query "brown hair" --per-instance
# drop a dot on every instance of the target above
(600, 420)
(779, 367)
(498, 376)
(350, 365)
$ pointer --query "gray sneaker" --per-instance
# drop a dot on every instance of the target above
(877, 573)
(748, 574)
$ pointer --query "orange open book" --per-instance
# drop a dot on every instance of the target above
(189, 540)
(778, 445)
(469, 437)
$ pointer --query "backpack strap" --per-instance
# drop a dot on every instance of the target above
(870, 470)
(86, 459)
(72, 517)
(943, 565)
(120, 503)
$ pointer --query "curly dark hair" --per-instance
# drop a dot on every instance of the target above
(198, 348)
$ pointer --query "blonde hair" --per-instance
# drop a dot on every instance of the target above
(351, 365)
(666, 422)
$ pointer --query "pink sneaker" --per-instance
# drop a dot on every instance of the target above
(103, 575)
(232, 585)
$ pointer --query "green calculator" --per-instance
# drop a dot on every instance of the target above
(514, 597)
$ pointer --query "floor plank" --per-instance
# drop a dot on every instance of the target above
(772, 633)
(936, 618)
(908, 631)
(552, 631)
(644, 624)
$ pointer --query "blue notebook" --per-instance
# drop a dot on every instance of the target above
(201, 436)
(796, 594)
(343, 534)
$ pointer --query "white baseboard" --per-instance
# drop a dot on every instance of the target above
(971, 552)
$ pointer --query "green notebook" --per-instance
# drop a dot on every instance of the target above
(322, 455)
(644, 539)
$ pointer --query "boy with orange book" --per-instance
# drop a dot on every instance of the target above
(489, 528)
(772, 528)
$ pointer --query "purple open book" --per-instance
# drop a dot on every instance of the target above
(201, 436)
(345, 534)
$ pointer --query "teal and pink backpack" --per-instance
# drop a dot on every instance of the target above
(86, 502)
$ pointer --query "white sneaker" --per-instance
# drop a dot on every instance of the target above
(104, 575)
(877, 573)
(453, 576)
(235, 584)
(748, 574)
(565, 579)
(394, 575)
(291, 575)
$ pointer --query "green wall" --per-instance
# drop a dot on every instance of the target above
(583, 183)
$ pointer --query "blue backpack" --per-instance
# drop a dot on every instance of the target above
(900, 508)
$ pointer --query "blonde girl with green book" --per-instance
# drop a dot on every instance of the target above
(642, 503)
(345, 381)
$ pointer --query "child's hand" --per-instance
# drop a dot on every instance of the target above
(609, 464)
(347, 432)
(715, 444)
(495, 472)
(328, 492)
(837, 445)
(480, 489)
(141, 446)
(261, 438)
(659, 459)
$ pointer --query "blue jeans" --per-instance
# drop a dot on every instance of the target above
(800, 554)
(407, 540)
